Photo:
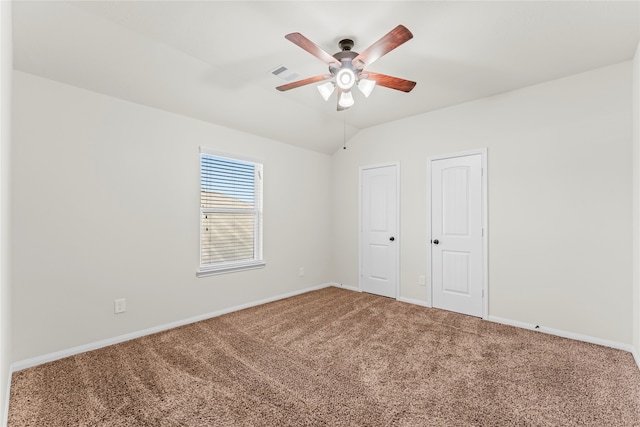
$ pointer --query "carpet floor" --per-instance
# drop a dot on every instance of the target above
(334, 357)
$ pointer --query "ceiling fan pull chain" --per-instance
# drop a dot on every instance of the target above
(344, 134)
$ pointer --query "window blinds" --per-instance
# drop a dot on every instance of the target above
(231, 211)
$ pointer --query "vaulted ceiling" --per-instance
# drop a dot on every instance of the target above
(213, 60)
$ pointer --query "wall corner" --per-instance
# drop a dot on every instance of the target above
(6, 74)
(635, 140)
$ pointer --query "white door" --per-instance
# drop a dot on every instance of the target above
(379, 230)
(457, 234)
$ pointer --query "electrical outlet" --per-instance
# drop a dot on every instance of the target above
(120, 306)
(301, 271)
(421, 280)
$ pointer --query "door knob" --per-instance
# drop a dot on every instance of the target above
(392, 238)
(435, 242)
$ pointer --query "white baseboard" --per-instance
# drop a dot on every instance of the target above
(343, 286)
(413, 301)
(565, 334)
(636, 356)
(39, 360)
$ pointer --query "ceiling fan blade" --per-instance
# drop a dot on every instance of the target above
(386, 44)
(390, 81)
(304, 82)
(313, 49)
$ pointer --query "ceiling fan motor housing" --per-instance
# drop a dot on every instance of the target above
(346, 76)
(345, 56)
(346, 65)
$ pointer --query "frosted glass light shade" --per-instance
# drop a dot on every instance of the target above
(366, 86)
(326, 89)
(345, 79)
(346, 100)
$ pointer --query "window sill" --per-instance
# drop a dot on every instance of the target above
(230, 269)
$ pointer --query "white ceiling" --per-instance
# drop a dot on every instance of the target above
(213, 60)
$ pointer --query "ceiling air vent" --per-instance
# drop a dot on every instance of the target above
(284, 73)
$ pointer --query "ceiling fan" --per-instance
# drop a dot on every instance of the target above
(346, 68)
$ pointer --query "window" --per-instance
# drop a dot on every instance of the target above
(230, 214)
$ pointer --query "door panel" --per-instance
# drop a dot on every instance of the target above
(379, 246)
(455, 201)
(456, 226)
(455, 272)
(378, 207)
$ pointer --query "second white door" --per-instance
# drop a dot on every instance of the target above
(379, 230)
(457, 234)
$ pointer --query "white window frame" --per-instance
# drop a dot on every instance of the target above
(233, 266)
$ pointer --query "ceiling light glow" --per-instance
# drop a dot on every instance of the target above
(345, 79)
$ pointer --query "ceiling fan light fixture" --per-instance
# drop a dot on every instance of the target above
(366, 86)
(346, 100)
(326, 89)
(345, 78)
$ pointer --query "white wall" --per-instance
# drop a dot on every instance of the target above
(6, 71)
(106, 205)
(560, 179)
(636, 202)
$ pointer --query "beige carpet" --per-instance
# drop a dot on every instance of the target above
(335, 358)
